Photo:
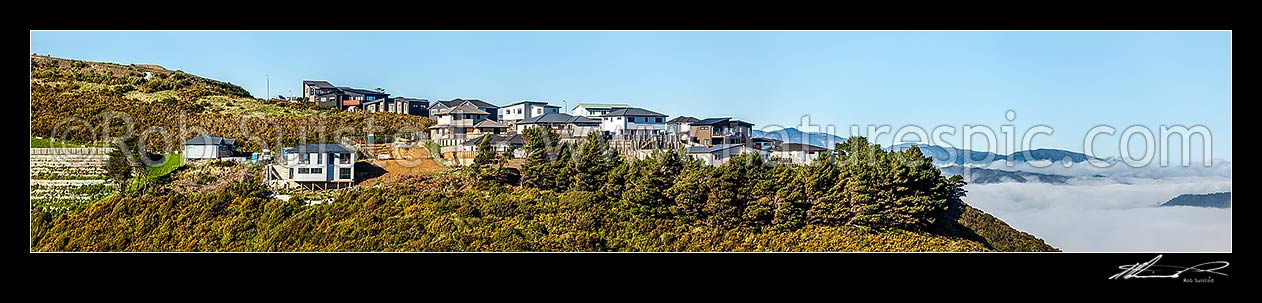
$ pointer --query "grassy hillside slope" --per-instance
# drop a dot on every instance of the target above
(91, 101)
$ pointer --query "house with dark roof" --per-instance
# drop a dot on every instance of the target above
(679, 124)
(315, 165)
(716, 155)
(455, 124)
(490, 109)
(209, 147)
(512, 113)
(399, 105)
(715, 131)
(566, 126)
(343, 98)
(313, 88)
(592, 110)
(499, 143)
(765, 144)
(796, 153)
(632, 122)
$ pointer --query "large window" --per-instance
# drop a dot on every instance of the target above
(317, 170)
(659, 119)
(344, 158)
(343, 173)
(304, 170)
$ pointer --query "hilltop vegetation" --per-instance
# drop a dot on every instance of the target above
(580, 198)
(565, 197)
(88, 101)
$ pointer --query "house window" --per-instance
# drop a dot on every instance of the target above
(317, 170)
(304, 170)
(659, 120)
(343, 173)
(705, 141)
(370, 98)
(705, 128)
(291, 172)
(303, 160)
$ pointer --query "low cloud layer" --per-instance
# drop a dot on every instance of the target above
(1117, 170)
(1104, 216)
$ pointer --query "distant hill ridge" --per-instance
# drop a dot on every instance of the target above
(1211, 200)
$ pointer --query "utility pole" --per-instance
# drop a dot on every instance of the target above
(269, 87)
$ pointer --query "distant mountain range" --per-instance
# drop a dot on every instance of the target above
(793, 135)
(977, 175)
(942, 154)
(1213, 200)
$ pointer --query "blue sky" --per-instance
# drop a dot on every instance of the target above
(1071, 81)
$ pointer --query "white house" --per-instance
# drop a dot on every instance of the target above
(796, 153)
(512, 113)
(456, 123)
(209, 147)
(679, 124)
(632, 122)
(592, 110)
(316, 164)
(718, 154)
(566, 126)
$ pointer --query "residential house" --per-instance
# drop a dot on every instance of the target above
(566, 126)
(592, 110)
(400, 105)
(632, 122)
(354, 98)
(209, 147)
(488, 126)
(490, 109)
(512, 113)
(796, 153)
(718, 154)
(343, 98)
(312, 89)
(499, 143)
(679, 124)
(715, 131)
(455, 123)
(315, 165)
(764, 144)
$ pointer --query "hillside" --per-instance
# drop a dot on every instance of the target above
(84, 101)
(587, 202)
(978, 175)
(1212, 200)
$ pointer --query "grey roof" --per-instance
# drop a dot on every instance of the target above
(633, 111)
(489, 123)
(507, 139)
(683, 119)
(409, 99)
(361, 91)
(531, 102)
(463, 109)
(711, 149)
(764, 139)
(716, 121)
(475, 102)
(558, 118)
(318, 83)
(799, 147)
(210, 140)
(319, 148)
